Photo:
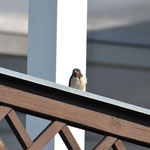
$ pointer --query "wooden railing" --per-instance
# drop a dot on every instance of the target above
(50, 102)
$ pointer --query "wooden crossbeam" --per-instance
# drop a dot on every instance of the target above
(46, 135)
(76, 116)
(4, 111)
(18, 129)
(69, 139)
(118, 145)
(106, 143)
(2, 145)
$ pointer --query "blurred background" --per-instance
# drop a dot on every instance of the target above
(118, 49)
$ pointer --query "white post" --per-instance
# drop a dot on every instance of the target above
(71, 49)
(57, 44)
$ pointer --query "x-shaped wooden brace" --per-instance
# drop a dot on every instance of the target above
(48, 133)
(109, 142)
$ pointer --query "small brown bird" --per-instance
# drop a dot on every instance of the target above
(77, 80)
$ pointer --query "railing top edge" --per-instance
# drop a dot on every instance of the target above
(100, 99)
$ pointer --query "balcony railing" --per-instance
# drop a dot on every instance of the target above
(65, 106)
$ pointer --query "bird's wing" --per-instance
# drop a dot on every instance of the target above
(70, 81)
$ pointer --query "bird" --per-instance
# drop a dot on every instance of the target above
(77, 80)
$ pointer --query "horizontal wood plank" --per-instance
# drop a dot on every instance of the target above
(75, 115)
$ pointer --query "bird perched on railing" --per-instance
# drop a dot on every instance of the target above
(77, 80)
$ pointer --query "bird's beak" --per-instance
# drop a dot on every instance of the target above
(76, 72)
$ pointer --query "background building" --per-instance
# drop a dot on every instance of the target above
(14, 34)
(118, 49)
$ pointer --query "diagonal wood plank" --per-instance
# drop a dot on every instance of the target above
(118, 145)
(4, 111)
(18, 129)
(106, 143)
(69, 139)
(46, 135)
(2, 145)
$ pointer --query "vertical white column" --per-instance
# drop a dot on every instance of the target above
(42, 39)
(71, 49)
(57, 44)
(41, 53)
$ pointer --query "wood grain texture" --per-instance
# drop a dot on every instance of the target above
(119, 145)
(69, 139)
(18, 129)
(2, 145)
(4, 111)
(46, 135)
(106, 143)
(80, 117)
